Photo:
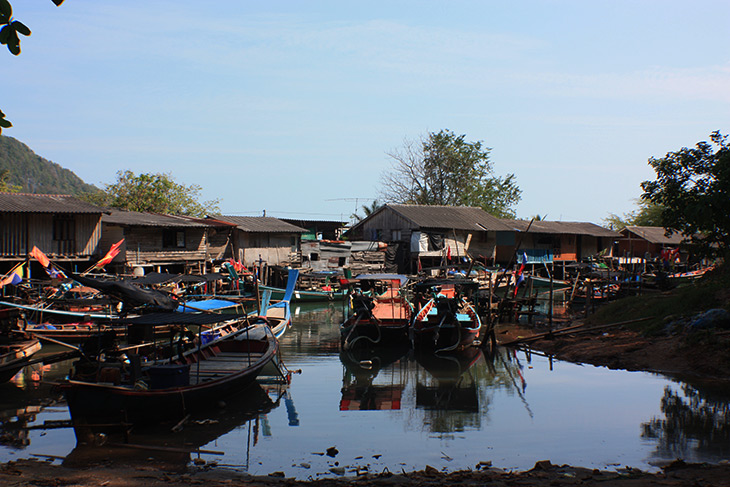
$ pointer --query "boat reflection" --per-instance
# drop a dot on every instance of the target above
(451, 387)
(175, 448)
(362, 365)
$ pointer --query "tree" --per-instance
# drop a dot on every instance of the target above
(445, 169)
(367, 210)
(156, 193)
(693, 188)
(647, 215)
(5, 186)
(9, 36)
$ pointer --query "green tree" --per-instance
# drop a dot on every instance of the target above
(10, 33)
(367, 210)
(155, 193)
(445, 169)
(693, 187)
(647, 214)
(5, 185)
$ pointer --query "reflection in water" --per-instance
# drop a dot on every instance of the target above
(389, 408)
(174, 447)
(695, 425)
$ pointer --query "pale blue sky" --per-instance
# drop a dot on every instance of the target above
(291, 106)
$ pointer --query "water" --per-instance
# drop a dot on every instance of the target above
(392, 410)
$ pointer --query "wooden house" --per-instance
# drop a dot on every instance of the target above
(155, 242)
(264, 239)
(426, 236)
(65, 228)
(646, 242)
(551, 241)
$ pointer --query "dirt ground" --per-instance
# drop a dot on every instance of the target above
(27, 473)
(699, 357)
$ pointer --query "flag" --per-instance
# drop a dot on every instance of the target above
(520, 276)
(40, 256)
(448, 252)
(14, 277)
(54, 273)
(113, 252)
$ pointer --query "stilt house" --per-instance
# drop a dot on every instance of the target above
(420, 236)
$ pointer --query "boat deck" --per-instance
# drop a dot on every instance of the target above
(221, 365)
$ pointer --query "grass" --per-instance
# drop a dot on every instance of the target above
(711, 291)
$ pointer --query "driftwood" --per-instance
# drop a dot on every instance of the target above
(571, 329)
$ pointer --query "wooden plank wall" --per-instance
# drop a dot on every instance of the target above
(37, 228)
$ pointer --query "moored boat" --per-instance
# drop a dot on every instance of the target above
(278, 315)
(446, 318)
(380, 311)
(118, 385)
(15, 354)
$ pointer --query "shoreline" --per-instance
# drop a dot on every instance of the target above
(30, 473)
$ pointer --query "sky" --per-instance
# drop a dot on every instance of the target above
(292, 106)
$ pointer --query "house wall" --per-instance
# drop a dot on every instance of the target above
(144, 246)
(380, 227)
(19, 232)
(272, 248)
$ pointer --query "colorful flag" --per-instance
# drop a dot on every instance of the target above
(40, 256)
(520, 275)
(448, 252)
(55, 273)
(113, 252)
(14, 277)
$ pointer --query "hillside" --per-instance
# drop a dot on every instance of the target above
(35, 174)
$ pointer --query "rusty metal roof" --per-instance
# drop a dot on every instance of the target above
(449, 217)
(45, 203)
(656, 235)
(260, 224)
(139, 219)
(562, 228)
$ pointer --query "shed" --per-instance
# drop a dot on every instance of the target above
(426, 235)
(555, 241)
(155, 240)
(266, 239)
(62, 226)
(638, 241)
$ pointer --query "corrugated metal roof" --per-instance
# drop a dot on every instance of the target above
(565, 228)
(44, 203)
(138, 219)
(456, 217)
(656, 235)
(261, 224)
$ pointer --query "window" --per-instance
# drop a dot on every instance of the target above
(395, 235)
(63, 228)
(173, 239)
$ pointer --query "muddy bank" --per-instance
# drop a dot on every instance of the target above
(27, 473)
(703, 355)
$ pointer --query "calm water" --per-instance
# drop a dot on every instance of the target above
(392, 410)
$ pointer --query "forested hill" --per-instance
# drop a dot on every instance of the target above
(35, 174)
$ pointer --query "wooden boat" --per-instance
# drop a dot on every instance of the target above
(67, 332)
(306, 295)
(446, 319)
(380, 312)
(15, 354)
(121, 387)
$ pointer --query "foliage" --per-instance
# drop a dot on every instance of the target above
(367, 210)
(34, 174)
(693, 187)
(647, 215)
(445, 169)
(155, 193)
(5, 186)
(9, 37)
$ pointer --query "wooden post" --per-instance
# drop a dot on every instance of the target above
(550, 312)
